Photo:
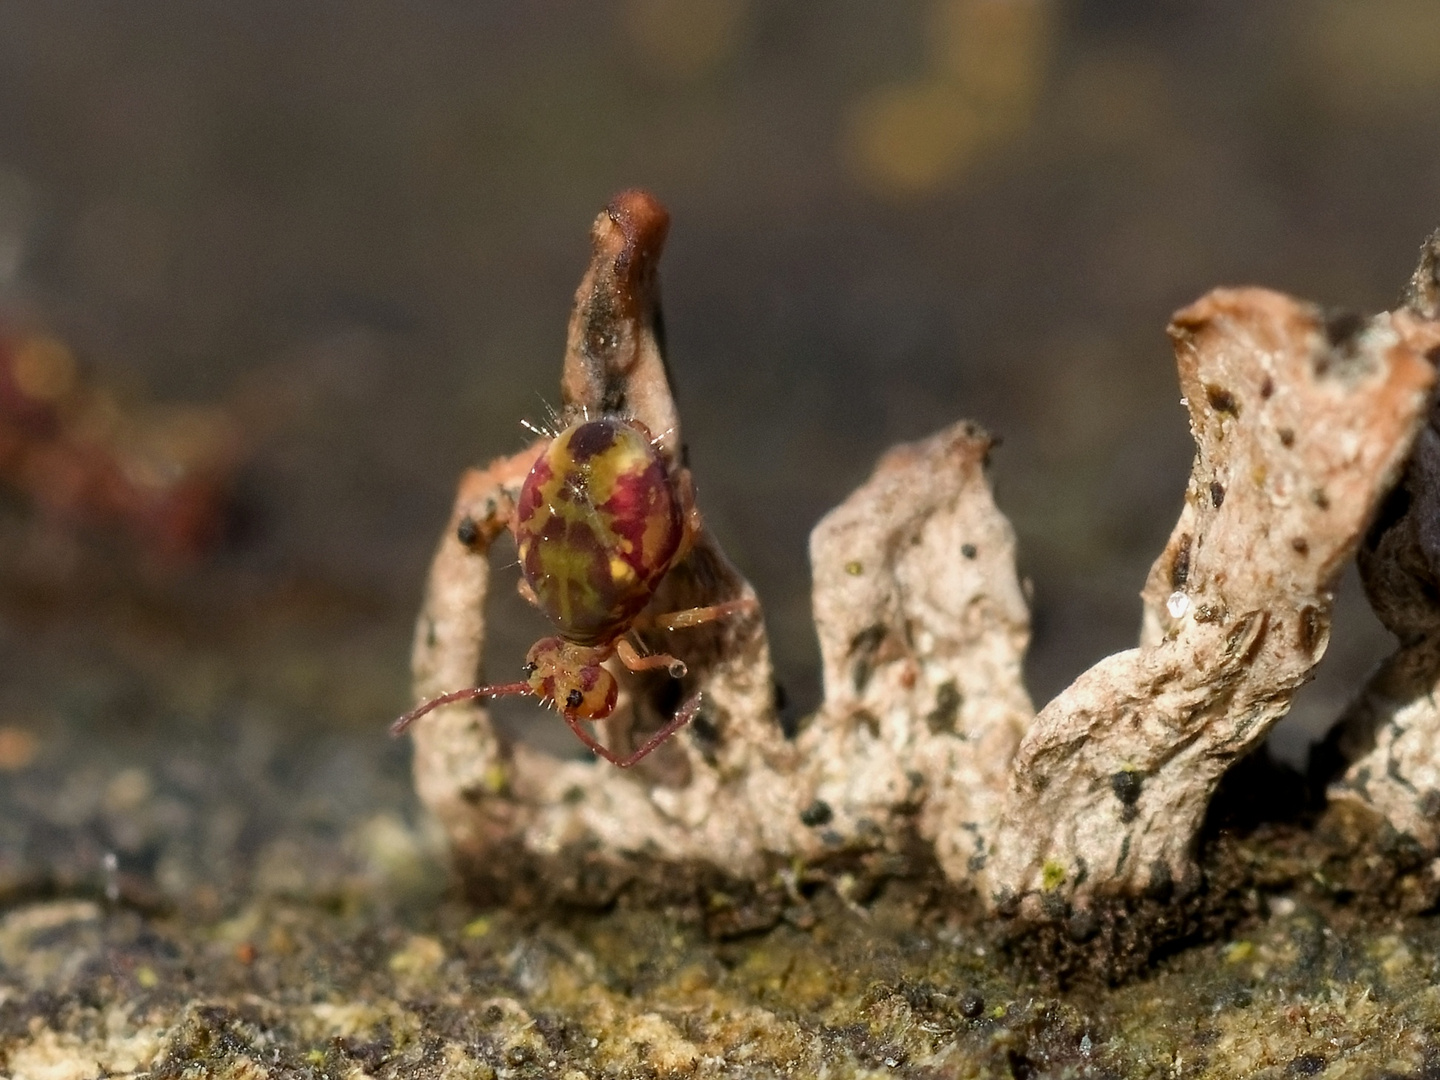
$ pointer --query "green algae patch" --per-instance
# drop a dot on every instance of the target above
(1052, 875)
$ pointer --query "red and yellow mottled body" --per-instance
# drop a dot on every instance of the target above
(598, 523)
(599, 520)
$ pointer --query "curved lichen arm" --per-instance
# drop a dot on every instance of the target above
(1300, 428)
(614, 355)
(718, 791)
(461, 771)
(1389, 737)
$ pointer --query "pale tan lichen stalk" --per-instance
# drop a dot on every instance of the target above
(1301, 427)
(923, 628)
(1390, 735)
(720, 791)
(1300, 430)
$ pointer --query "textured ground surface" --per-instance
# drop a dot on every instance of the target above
(192, 883)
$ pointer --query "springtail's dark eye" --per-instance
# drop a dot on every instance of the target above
(529, 668)
(574, 698)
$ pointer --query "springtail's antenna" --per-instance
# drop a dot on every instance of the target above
(469, 694)
(528, 426)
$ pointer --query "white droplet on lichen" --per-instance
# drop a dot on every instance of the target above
(1177, 605)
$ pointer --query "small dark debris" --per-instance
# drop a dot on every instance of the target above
(863, 648)
(1301, 545)
(1287, 437)
(972, 1005)
(816, 814)
(1306, 1065)
(1217, 494)
(1267, 387)
(1082, 926)
(1308, 631)
(1161, 884)
(467, 532)
(1126, 785)
(1342, 326)
(1180, 568)
(969, 550)
(704, 731)
(1222, 400)
(1021, 1067)
(948, 699)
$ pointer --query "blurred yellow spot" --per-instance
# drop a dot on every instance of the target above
(992, 48)
(1237, 952)
(128, 790)
(986, 70)
(18, 748)
(477, 928)
(913, 138)
(420, 955)
(684, 39)
(620, 570)
(43, 368)
(146, 977)
(495, 780)
(1052, 875)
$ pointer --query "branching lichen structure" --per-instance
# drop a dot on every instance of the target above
(1303, 424)
(1390, 735)
(1301, 427)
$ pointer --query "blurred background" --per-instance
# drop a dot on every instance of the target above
(299, 265)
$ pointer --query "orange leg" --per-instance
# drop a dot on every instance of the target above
(683, 716)
(633, 661)
(680, 620)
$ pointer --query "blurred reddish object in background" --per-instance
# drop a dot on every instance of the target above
(160, 473)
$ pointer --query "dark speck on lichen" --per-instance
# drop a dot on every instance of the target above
(816, 814)
(1180, 567)
(1222, 400)
(948, 700)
